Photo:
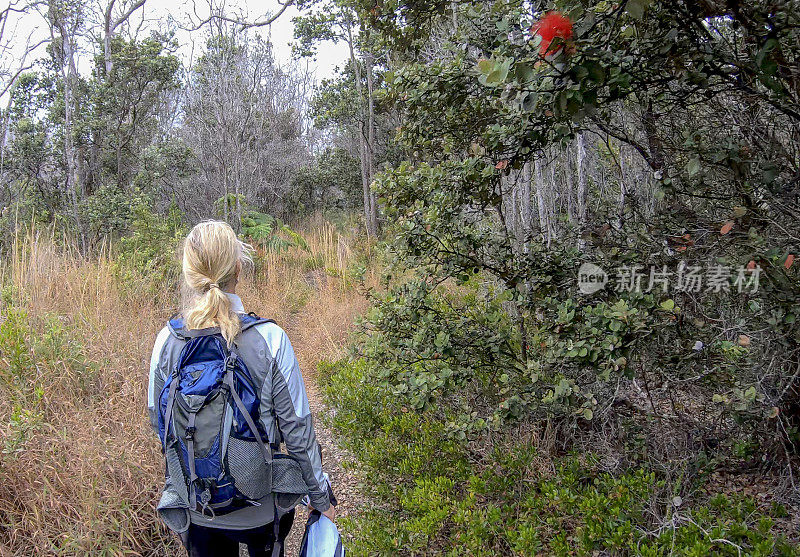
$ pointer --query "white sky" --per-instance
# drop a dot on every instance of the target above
(165, 13)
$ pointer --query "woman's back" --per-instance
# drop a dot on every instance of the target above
(232, 495)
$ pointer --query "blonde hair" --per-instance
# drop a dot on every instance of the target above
(212, 258)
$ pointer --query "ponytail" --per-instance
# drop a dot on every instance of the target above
(212, 259)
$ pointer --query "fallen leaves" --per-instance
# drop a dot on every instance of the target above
(727, 227)
(744, 340)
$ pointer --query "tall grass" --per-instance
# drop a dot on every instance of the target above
(80, 467)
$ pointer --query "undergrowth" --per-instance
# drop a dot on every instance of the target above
(73, 470)
(438, 496)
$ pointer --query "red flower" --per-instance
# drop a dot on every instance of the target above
(552, 25)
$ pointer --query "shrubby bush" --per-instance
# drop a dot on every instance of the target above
(332, 183)
(149, 253)
(107, 212)
(270, 233)
(633, 142)
(466, 363)
(435, 495)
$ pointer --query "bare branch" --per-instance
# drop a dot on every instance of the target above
(240, 23)
(127, 14)
(22, 68)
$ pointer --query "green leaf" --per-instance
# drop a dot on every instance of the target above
(693, 167)
(636, 8)
(485, 65)
(529, 102)
(524, 73)
(597, 73)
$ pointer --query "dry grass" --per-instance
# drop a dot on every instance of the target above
(80, 467)
(315, 303)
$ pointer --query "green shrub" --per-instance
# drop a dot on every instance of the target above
(15, 333)
(434, 495)
(59, 347)
(32, 349)
(107, 212)
(149, 251)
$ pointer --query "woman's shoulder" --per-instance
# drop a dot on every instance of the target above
(161, 338)
(273, 335)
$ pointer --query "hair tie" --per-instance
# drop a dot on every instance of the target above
(213, 285)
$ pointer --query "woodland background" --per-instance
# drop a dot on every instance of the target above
(444, 186)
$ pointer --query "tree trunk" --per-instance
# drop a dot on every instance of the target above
(526, 212)
(581, 197)
(568, 186)
(653, 141)
(623, 188)
(238, 215)
(107, 40)
(373, 209)
(225, 193)
(68, 73)
(552, 203)
(541, 202)
(511, 211)
(366, 178)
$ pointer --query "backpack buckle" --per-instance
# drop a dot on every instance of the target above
(230, 362)
(190, 433)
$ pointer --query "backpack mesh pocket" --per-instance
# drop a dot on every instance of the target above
(287, 477)
(246, 465)
(175, 475)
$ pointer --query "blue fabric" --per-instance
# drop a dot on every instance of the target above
(245, 387)
(202, 370)
(176, 324)
(321, 538)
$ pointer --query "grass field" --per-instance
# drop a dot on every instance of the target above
(80, 465)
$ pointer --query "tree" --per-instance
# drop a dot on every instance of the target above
(331, 182)
(126, 102)
(336, 21)
(244, 124)
(13, 67)
(66, 19)
(89, 131)
(111, 22)
(657, 135)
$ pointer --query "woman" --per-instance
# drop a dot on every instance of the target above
(213, 258)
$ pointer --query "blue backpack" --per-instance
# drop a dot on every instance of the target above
(209, 416)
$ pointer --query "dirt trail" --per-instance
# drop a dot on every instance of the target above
(343, 481)
(318, 332)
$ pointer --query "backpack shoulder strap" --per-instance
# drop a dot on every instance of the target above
(251, 320)
(178, 329)
(228, 379)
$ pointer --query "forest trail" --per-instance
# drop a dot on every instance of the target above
(343, 480)
(318, 330)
